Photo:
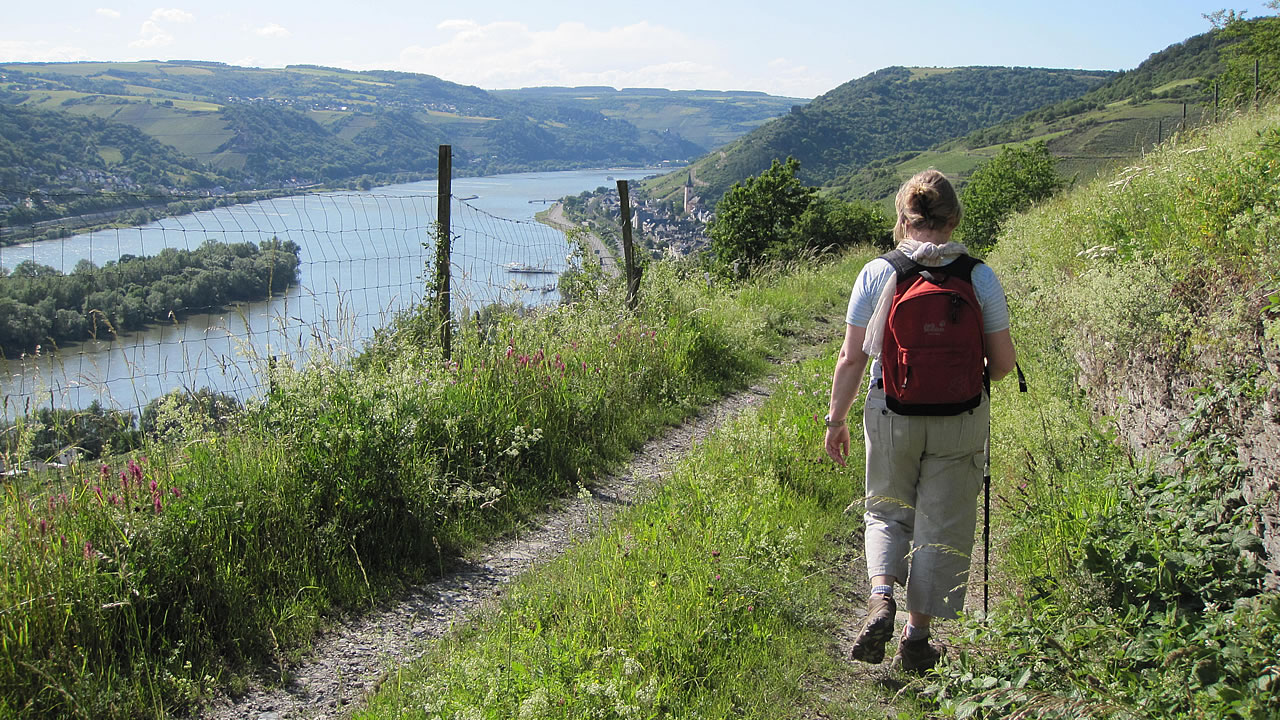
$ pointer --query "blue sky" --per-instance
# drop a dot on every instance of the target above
(797, 48)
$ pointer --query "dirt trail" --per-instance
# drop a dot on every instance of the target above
(348, 661)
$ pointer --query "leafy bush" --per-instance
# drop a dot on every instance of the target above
(774, 218)
(1008, 183)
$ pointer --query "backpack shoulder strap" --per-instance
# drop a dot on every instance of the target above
(962, 267)
(903, 266)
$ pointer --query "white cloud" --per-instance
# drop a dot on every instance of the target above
(40, 51)
(152, 35)
(154, 32)
(108, 13)
(511, 54)
(171, 15)
(273, 30)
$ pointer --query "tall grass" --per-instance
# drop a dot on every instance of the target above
(139, 587)
(1131, 582)
(713, 599)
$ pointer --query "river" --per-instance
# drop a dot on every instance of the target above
(363, 256)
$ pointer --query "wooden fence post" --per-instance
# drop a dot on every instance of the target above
(1255, 83)
(628, 253)
(444, 194)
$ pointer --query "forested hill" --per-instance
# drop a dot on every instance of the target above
(889, 111)
(1118, 120)
(707, 118)
(50, 158)
(305, 124)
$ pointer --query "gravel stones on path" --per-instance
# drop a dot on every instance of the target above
(349, 660)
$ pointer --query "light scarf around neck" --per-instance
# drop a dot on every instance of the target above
(925, 253)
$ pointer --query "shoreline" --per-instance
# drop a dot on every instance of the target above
(554, 217)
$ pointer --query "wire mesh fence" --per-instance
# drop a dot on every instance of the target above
(361, 258)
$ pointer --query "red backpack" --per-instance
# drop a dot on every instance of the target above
(933, 358)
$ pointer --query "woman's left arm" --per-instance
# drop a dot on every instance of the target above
(1001, 356)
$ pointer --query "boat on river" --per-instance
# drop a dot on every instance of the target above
(518, 267)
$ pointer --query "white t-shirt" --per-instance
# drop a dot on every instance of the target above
(874, 275)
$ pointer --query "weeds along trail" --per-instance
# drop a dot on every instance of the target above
(350, 659)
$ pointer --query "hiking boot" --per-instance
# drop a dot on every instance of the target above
(917, 656)
(876, 630)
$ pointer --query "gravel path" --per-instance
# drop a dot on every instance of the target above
(350, 659)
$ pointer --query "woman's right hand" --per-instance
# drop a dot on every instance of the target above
(837, 443)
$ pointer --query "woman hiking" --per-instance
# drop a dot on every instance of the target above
(926, 415)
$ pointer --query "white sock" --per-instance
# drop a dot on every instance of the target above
(911, 632)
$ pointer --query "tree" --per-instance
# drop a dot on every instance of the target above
(1006, 184)
(1249, 41)
(755, 219)
(831, 223)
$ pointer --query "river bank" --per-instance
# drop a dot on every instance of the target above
(556, 218)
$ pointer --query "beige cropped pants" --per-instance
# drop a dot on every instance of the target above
(923, 478)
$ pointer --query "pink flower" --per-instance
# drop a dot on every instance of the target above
(104, 471)
(510, 349)
(44, 526)
(154, 485)
(88, 549)
(176, 492)
(155, 503)
(114, 500)
(135, 470)
(97, 490)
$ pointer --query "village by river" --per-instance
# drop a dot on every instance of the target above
(363, 254)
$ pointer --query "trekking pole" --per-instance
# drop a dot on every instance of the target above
(986, 512)
(986, 500)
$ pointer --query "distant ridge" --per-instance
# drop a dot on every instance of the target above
(885, 113)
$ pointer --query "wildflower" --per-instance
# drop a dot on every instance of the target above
(154, 485)
(176, 492)
(104, 471)
(155, 503)
(97, 490)
(715, 553)
(44, 526)
(510, 350)
(751, 608)
(88, 549)
(135, 470)
(124, 481)
(114, 500)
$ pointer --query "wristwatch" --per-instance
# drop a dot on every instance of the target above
(833, 423)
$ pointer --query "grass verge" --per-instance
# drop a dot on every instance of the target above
(137, 588)
(719, 597)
